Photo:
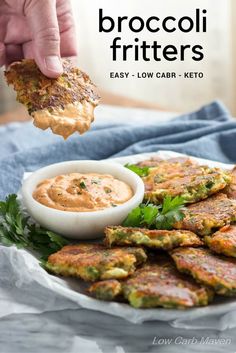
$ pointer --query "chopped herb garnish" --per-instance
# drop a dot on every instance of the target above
(82, 185)
(50, 109)
(141, 171)
(96, 181)
(161, 216)
(107, 190)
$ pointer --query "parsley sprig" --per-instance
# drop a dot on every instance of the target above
(141, 171)
(17, 229)
(161, 216)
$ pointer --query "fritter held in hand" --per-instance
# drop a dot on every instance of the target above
(65, 104)
(94, 261)
(218, 272)
(156, 239)
(155, 285)
(205, 217)
(183, 178)
(223, 241)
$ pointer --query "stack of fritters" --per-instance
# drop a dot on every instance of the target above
(155, 284)
(165, 268)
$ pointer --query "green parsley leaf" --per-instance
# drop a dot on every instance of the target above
(134, 218)
(161, 216)
(16, 229)
(171, 212)
(141, 171)
(149, 214)
(170, 204)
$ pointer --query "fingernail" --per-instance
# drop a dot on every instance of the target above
(53, 63)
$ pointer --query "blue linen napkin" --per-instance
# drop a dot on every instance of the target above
(208, 133)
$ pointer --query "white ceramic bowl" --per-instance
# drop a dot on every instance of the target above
(81, 225)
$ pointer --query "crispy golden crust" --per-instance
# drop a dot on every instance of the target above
(106, 290)
(168, 169)
(94, 261)
(185, 179)
(157, 239)
(162, 285)
(38, 92)
(223, 241)
(230, 190)
(216, 271)
(154, 285)
(66, 104)
(204, 217)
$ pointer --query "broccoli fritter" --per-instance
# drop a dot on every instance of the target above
(109, 289)
(217, 272)
(205, 217)
(64, 104)
(156, 284)
(223, 241)
(183, 178)
(157, 239)
(230, 190)
(92, 262)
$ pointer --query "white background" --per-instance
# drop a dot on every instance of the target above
(180, 94)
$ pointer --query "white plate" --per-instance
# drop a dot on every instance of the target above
(73, 289)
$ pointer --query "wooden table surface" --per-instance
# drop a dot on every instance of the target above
(20, 113)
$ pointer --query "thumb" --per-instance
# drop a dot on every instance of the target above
(42, 19)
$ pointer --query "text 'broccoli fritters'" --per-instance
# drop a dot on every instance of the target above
(154, 285)
(206, 216)
(183, 178)
(94, 261)
(65, 104)
(223, 241)
(156, 239)
(218, 272)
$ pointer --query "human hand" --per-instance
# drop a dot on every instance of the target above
(38, 29)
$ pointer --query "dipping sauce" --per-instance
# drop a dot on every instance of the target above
(73, 117)
(77, 192)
